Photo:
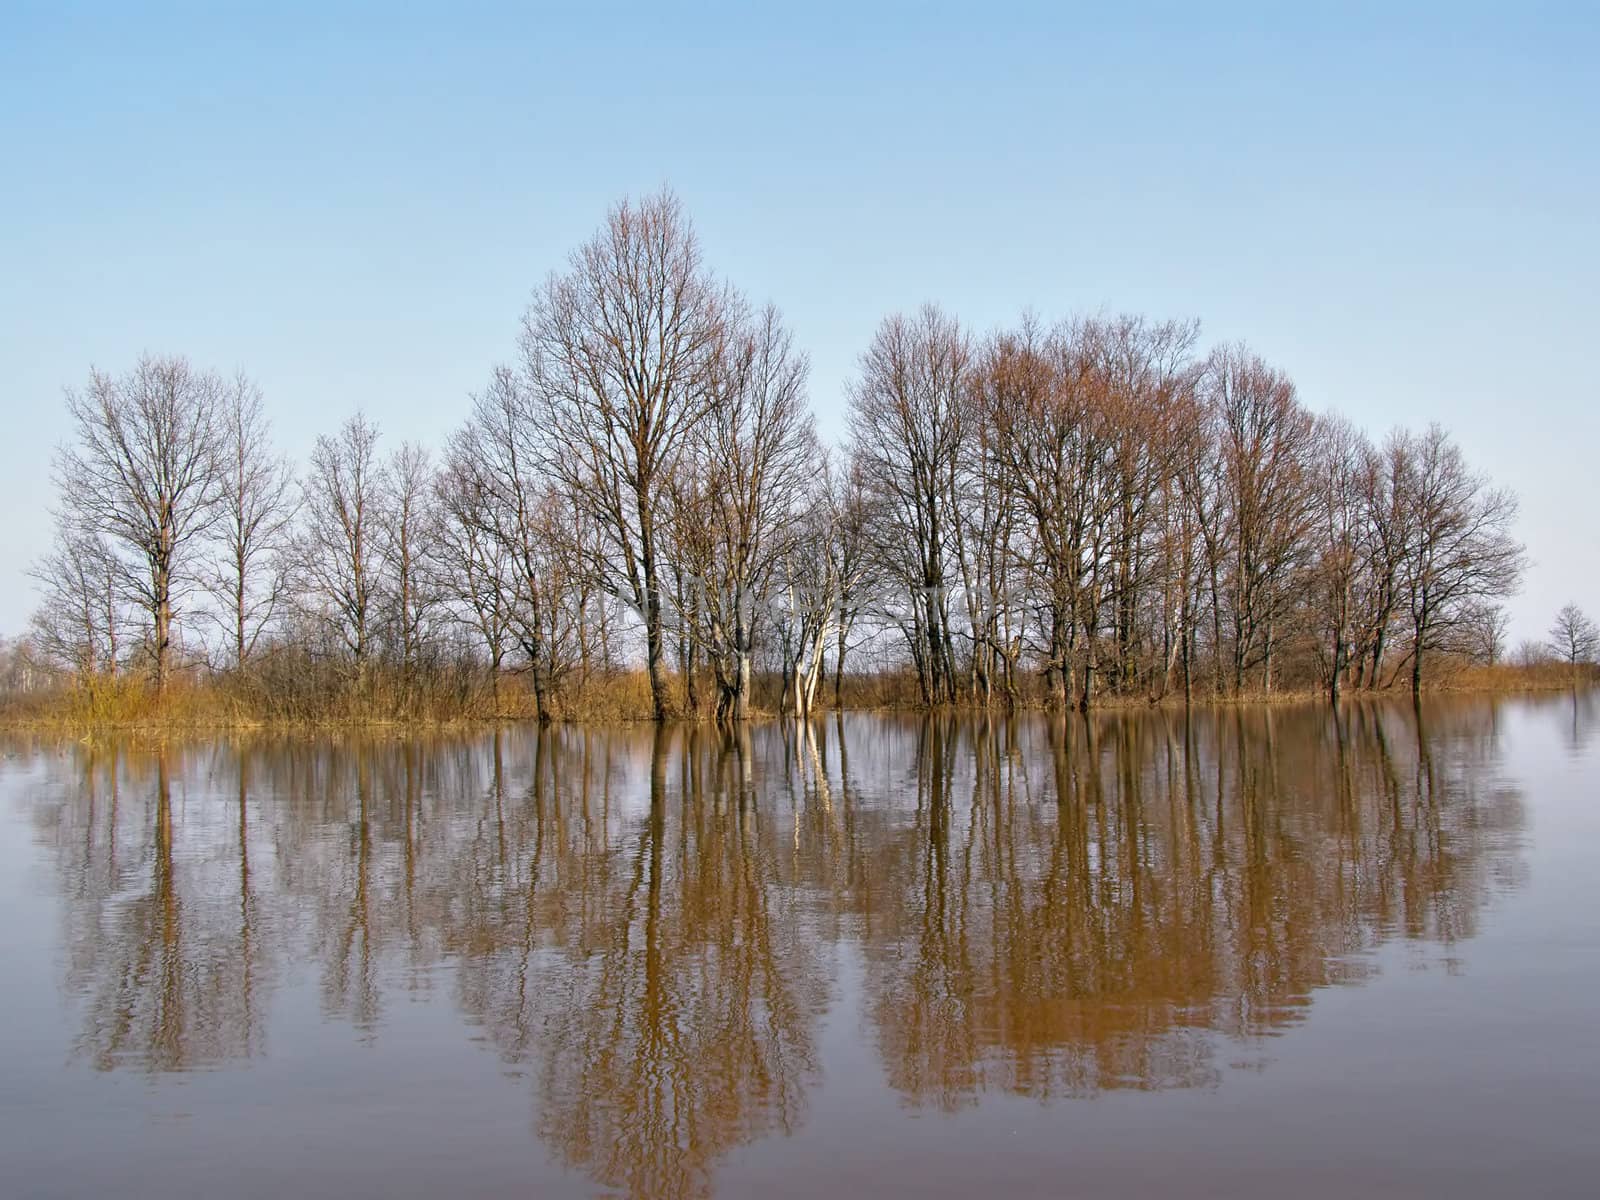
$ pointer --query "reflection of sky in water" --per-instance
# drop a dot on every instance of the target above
(680, 945)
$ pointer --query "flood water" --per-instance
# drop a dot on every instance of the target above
(1256, 953)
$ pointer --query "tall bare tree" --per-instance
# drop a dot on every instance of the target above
(854, 564)
(406, 529)
(472, 565)
(1145, 379)
(1335, 571)
(1265, 444)
(906, 413)
(1387, 535)
(1462, 552)
(341, 536)
(498, 455)
(143, 473)
(805, 605)
(1041, 399)
(257, 508)
(618, 349)
(754, 461)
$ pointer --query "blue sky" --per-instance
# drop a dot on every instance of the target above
(353, 203)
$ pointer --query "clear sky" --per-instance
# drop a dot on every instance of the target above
(353, 203)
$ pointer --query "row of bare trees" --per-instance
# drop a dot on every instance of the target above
(1094, 507)
(1097, 502)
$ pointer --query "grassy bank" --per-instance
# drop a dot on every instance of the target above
(380, 699)
(307, 699)
(1540, 677)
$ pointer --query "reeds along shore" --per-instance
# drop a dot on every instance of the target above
(388, 698)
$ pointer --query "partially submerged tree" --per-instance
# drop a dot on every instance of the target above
(854, 564)
(1037, 397)
(1340, 525)
(753, 462)
(805, 606)
(618, 350)
(1266, 503)
(906, 423)
(498, 466)
(1461, 553)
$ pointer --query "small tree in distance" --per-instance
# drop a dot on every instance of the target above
(1574, 637)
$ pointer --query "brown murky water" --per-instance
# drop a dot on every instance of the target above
(1258, 953)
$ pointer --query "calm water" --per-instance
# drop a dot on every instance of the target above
(1262, 953)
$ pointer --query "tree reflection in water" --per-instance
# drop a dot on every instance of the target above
(1093, 925)
(647, 924)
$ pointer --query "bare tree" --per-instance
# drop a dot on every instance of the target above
(754, 460)
(1145, 379)
(143, 474)
(24, 668)
(1574, 637)
(906, 425)
(806, 605)
(1090, 428)
(406, 528)
(1461, 553)
(1265, 442)
(1486, 630)
(618, 351)
(1340, 455)
(498, 455)
(557, 530)
(341, 539)
(472, 565)
(80, 616)
(854, 564)
(1388, 532)
(1531, 653)
(257, 507)
(1035, 392)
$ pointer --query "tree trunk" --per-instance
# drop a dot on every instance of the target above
(1088, 671)
(653, 651)
(163, 630)
(838, 668)
(741, 698)
(238, 610)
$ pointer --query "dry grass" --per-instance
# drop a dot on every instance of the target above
(608, 697)
(301, 693)
(1505, 677)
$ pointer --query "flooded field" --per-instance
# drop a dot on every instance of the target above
(1257, 952)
